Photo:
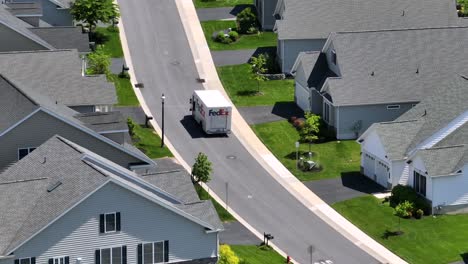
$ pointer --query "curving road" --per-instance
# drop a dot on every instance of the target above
(163, 62)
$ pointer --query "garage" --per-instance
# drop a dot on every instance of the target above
(301, 96)
(382, 173)
(368, 164)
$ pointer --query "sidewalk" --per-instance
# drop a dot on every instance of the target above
(207, 71)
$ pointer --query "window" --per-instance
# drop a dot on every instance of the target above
(419, 183)
(393, 107)
(109, 222)
(23, 152)
(25, 261)
(333, 57)
(60, 260)
(326, 112)
(154, 252)
(115, 255)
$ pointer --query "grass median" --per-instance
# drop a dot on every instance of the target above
(109, 40)
(125, 93)
(146, 140)
(257, 255)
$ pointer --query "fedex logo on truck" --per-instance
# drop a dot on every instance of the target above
(220, 112)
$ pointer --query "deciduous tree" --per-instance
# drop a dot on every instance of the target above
(202, 168)
(93, 11)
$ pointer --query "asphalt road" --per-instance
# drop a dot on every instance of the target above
(163, 62)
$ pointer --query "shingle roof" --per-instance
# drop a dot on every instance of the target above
(443, 161)
(57, 74)
(64, 37)
(25, 8)
(63, 3)
(103, 121)
(396, 66)
(315, 19)
(306, 61)
(27, 206)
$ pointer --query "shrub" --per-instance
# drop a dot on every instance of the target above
(252, 30)
(298, 123)
(292, 119)
(402, 193)
(131, 127)
(246, 19)
(98, 62)
(233, 35)
(419, 213)
(223, 38)
(112, 28)
(227, 256)
(404, 209)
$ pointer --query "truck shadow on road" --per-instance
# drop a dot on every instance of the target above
(194, 129)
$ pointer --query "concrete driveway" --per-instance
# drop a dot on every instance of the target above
(348, 186)
(232, 57)
(236, 234)
(264, 114)
(221, 13)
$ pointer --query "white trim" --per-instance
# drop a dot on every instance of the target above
(19, 122)
(152, 249)
(337, 110)
(58, 258)
(110, 248)
(31, 15)
(327, 42)
(112, 131)
(105, 222)
(29, 258)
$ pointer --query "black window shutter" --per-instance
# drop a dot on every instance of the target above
(140, 253)
(166, 251)
(124, 254)
(67, 260)
(97, 256)
(33, 260)
(101, 223)
(117, 221)
(16, 261)
(51, 261)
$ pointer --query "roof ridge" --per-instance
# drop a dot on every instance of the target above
(395, 29)
(445, 147)
(35, 51)
(23, 180)
(398, 122)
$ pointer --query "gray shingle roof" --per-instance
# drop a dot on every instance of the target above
(307, 61)
(103, 121)
(315, 19)
(443, 161)
(57, 74)
(27, 206)
(63, 3)
(396, 66)
(64, 37)
(25, 8)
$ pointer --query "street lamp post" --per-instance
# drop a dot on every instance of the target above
(162, 121)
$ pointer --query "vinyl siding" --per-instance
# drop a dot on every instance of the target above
(83, 108)
(14, 41)
(293, 47)
(267, 20)
(334, 67)
(77, 235)
(55, 16)
(41, 126)
(367, 115)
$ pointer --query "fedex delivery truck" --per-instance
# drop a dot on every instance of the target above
(212, 111)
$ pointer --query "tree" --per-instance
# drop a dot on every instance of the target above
(310, 129)
(246, 21)
(227, 256)
(201, 169)
(403, 210)
(93, 11)
(98, 62)
(257, 68)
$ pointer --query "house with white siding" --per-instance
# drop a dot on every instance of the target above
(304, 25)
(29, 119)
(66, 204)
(426, 148)
(361, 78)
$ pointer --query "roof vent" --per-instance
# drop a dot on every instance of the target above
(425, 113)
(417, 71)
(372, 73)
(54, 186)
(403, 14)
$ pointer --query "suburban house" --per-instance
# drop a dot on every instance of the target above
(266, 10)
(19, 32)
(360, 78)
(59, 75)
(66, 204)
(29, 119)
(426, 148)
(43, 12)
(304, 25)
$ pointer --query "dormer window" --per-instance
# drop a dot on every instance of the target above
(333, 57)
(109, 222)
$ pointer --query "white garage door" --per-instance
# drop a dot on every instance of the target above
(302, 97)
(382, 172)
(368, 163)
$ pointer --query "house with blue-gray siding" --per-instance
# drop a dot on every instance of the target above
(361, 78)
(304, 25)
(66, 204)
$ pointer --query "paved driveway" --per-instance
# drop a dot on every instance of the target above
(236, 234)
(221, 13)
(232, 57)
(264, 114)
(346, 187)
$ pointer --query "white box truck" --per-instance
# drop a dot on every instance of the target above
(212, 111)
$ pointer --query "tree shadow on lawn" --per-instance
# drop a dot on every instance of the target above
(292, 155)
(356, 181)
(247, 93)
(388, 234)
(287, 110)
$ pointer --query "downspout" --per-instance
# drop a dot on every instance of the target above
(337, 120)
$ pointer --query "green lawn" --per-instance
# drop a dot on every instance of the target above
(429, 240)
(220, 3)
(125, 94)
(336, 157)
(264, 39)
(224, 215)
(256, 255)
(111, 41)
(242, 89)
(149, 142)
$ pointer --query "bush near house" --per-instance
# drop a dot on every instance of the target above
(402, 193)
(247, 21)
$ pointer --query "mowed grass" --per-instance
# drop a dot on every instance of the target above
(256, 255)
(149, 142)
(336, 157)
(125, 93)
(223, 214)
(111, 45)
(263, 39)
(220, 3)
(242, 89)
(429, 240)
